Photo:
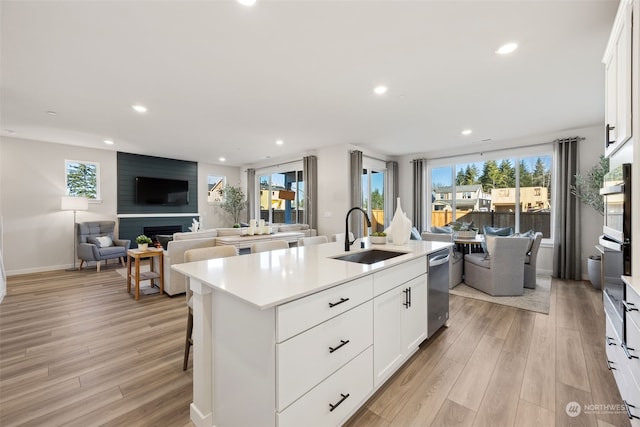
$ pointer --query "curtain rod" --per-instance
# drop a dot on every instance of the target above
(578, 138)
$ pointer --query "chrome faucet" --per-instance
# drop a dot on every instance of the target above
(347, 242)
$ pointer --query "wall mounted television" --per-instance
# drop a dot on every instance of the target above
(161, 191)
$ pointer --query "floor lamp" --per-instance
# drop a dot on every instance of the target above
(73, 203)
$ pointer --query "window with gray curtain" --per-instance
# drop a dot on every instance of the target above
(566, 254)
(310, 178)
(251, 194)
(419, 189)
(355, 221)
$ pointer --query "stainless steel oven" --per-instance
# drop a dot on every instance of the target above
(616, 242)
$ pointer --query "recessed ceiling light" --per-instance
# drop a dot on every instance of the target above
(222, 159)
(139, 108)
(506, 49)
(279, 142)
(380, 90)
(108, 142)
(466, 132)
(10, 132)
(51, 113)
(247, 2)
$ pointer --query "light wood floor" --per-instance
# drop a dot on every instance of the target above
(76, 349)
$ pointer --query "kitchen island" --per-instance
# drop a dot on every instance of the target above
(297, 337)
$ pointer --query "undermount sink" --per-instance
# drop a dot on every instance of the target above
(370, 256)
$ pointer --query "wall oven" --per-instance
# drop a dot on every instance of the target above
(616, 242)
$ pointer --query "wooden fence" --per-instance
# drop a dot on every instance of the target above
(537, 221)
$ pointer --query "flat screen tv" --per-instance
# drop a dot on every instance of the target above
(161, 191)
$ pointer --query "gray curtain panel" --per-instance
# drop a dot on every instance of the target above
(392, 190)
(355, 224)
(310, 178)
(251, 195)
(419, 192)
(566, 256)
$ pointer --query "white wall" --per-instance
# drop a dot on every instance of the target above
(590, 150)
(37, 235)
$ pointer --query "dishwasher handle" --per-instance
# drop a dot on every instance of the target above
(438, 260)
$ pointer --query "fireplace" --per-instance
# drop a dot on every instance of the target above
(161, 230)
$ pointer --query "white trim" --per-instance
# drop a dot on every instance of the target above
(156, 215)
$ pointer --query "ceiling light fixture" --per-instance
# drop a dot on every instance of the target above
(51, 113)
(247, 2)
(10, 132)
(139, 108)
(279, 142)
(222, 159)
(506, 49)
(380, 90)
(108, 141)
(466, 132)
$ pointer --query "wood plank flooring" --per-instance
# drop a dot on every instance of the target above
(77, 350)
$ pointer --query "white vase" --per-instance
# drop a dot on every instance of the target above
(400, 227)
(143, 246)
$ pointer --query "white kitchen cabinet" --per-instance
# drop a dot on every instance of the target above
(617, 60)
(399, 325)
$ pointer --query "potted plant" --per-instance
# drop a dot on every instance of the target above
(378, 237)
(143, 242)
(587, 190)
(234, 202)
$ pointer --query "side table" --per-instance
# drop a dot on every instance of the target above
(137, 255)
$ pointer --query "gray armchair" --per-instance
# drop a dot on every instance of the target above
(503, 272)
(530, 262)
(96, 242)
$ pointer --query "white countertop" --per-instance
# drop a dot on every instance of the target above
(268, 279)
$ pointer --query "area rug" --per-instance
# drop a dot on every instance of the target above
(145, 287)
(533, 299)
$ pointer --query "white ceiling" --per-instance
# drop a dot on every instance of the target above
(221, 79)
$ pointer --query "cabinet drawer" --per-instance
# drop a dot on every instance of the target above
(390, 278)
(300, 315)
(306, 359)
(633, 350)
(633, 301)
(347, 389)
(612, 347)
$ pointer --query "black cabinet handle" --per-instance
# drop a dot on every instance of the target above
(406, 298)
(626, 351)
(609, 367)
(608, 141)
(609, 341)
(342, 343)
(629, 414)
(629, 306)
(409, 296)
(333, 304)
(343, 397)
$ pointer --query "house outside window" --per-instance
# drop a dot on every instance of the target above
(514, 191)
(82, 179)
(281, 194)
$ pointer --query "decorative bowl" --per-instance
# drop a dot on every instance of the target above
(378, 240)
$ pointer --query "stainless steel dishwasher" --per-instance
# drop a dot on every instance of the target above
(438, 290)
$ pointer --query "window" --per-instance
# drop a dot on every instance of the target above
(511, 191)
(373, 198)
(215, 187)
(281, 196)
(82, 179)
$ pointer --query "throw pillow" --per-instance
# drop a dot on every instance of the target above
(444, 229)
(415, 234)
(100, 241)
(488, 244)
(498, 231)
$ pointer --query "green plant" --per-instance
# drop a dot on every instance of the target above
(234, 202)
(379, 234)
(236, 225)
(587, 188)
(141, 239)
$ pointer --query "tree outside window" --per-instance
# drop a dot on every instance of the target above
(82, 179)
